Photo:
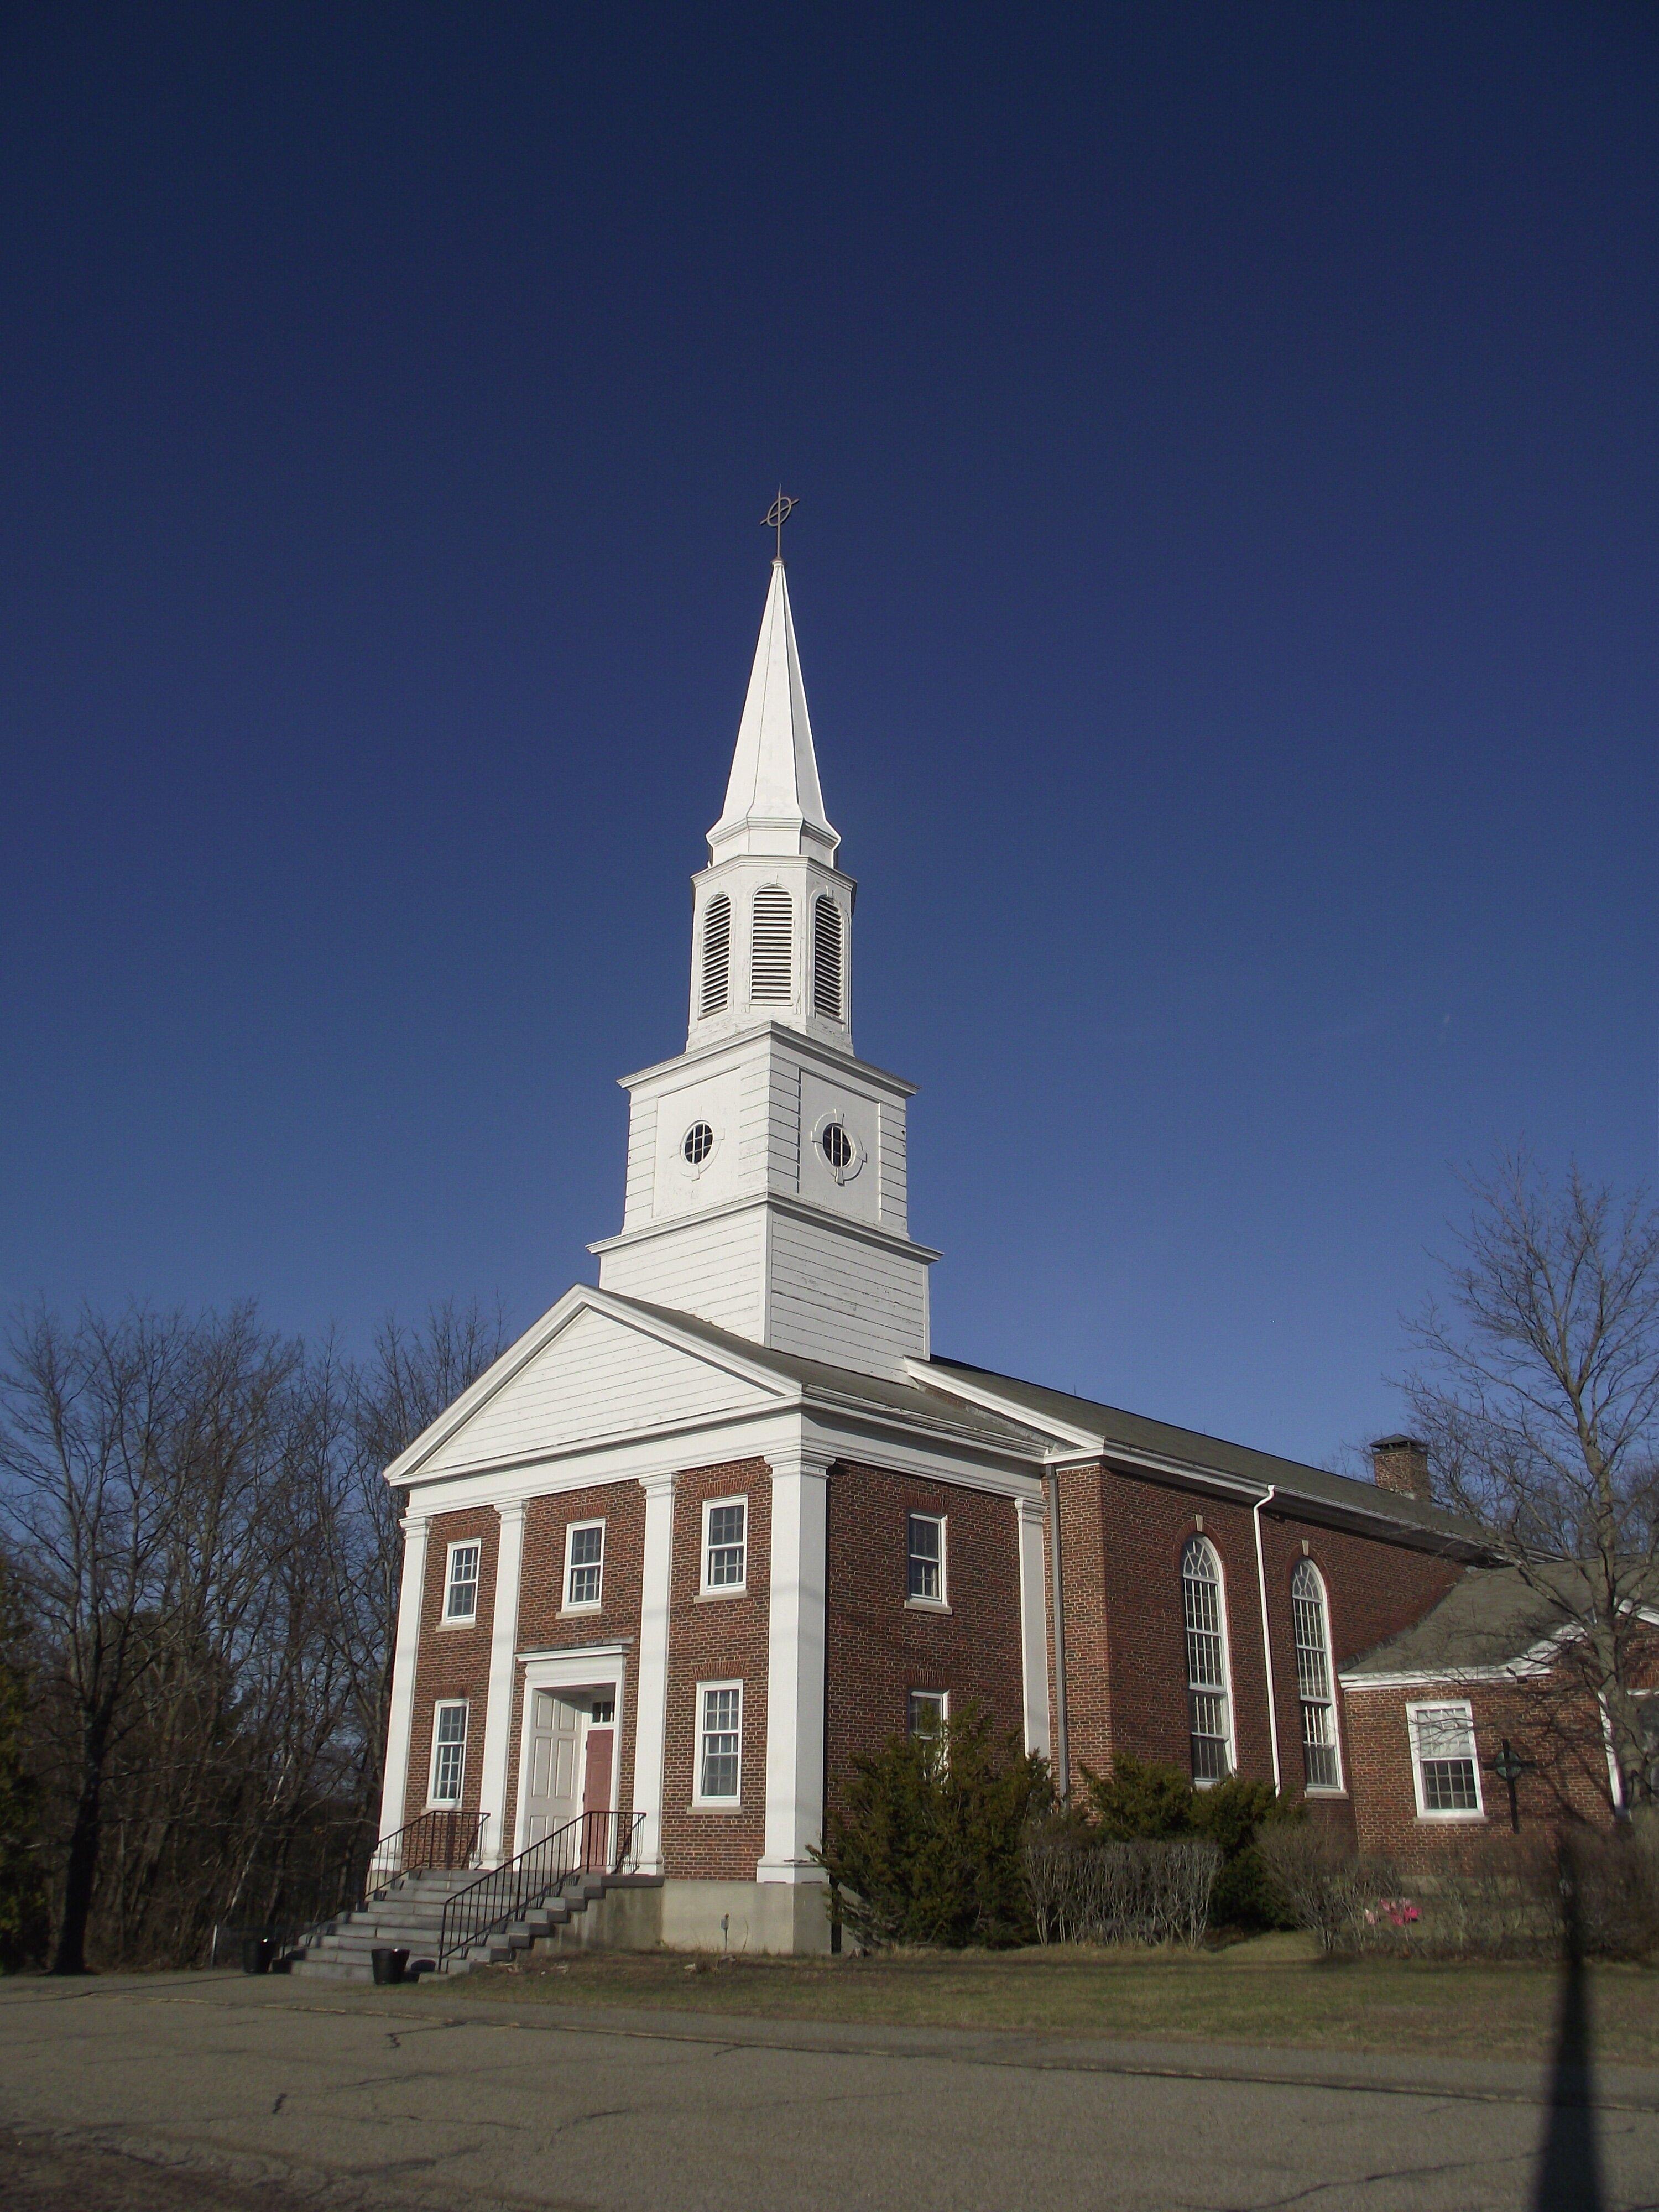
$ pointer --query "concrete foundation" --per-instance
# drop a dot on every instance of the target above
(781, 1919)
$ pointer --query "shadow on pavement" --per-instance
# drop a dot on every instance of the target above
(1569, 2171)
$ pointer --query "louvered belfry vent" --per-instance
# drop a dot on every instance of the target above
(826, 959)
(716, 953)
(770, 959)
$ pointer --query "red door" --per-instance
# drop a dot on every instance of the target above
(596, 1796)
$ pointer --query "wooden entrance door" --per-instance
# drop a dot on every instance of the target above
(596, 1793)
(551, 1787)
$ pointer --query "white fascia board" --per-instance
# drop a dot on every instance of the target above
(994, 1402)
(889, 1442)
(800, 1209)
(1527, 1666)
(844, 1065)
(581, 1297)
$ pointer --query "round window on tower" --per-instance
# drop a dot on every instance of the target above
(697, 1143)
(837, 1146)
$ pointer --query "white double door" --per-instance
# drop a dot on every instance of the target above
(569, 1764)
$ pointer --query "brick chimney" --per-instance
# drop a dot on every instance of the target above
(1401, 1463)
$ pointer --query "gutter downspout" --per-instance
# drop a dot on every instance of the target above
(1266, 1499)
(1063, 1759)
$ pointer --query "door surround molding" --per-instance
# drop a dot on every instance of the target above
(585, 1667)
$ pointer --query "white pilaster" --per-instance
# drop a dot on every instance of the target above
(795, 1666)
(650, 1693)
(498, 1713)
(1033, 1622)
(405, 1651)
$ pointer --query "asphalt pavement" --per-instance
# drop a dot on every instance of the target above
(156, 2094)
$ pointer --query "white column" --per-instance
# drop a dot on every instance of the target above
(650, 1688)
(1034, 1623)
(794, 1675)
(405, 1651)
(498, 1712)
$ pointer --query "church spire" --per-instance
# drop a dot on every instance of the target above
(773, 802)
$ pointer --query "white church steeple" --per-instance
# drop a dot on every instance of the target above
(772, 917)
(767, 1180)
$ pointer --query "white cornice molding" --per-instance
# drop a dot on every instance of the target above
(798, 1209)
(799, 1041)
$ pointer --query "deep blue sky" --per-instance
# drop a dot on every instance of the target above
(1225, 573)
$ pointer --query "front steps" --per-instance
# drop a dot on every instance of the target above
(411, 1911)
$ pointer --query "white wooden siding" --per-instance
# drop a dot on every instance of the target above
(642, 1160)
(895, 1171)
(844, 1300)
(597, 1378)
(712, 1268)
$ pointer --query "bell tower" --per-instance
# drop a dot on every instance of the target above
(766, 1163)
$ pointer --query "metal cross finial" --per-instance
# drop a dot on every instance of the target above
(778, 514)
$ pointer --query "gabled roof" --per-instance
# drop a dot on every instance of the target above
(1113, 1432)
(1495, 1620)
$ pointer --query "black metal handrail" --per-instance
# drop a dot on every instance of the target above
(593, 1843)
(443, 1840)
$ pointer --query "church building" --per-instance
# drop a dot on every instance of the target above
(712, 1527)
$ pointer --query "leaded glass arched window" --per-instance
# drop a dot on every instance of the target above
(1209, 1701)
(1320, 1760)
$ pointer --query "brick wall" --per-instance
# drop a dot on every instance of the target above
(545, 1626)
(878, 1647)
(717, 1639)
(452, 1662)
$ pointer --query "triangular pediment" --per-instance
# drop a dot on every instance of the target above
(593, 1371)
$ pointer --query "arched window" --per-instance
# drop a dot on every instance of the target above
(1209, 1708)
(771, 954)
(716, 953)
(1314, 1673)
(826, 958)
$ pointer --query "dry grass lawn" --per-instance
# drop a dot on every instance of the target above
(1264, 1992)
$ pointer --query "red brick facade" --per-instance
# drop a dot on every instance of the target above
(452, 1662)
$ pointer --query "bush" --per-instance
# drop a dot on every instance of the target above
(925, 1843)
(1084, 1888)
(1324, 1887)
(1615, 1884)
(1144, 1800)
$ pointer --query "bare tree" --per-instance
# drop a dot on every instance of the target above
(1538, 1397)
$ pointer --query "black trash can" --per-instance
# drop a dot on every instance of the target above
(258, 1952)
(389, 1964)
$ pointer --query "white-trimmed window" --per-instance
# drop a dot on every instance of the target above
(720, 1743)
(725, 1546)
(772, 947)
(1209, 1699)
(584, 1565)
(461, 1582)
(1444, 1768)
(449, 1752)
(1322, 1760)
(929, 1712)
(924, 1582)
(716, 953)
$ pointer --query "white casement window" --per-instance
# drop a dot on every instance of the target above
(725, 1546)
(926, 1580)
(1444, 1767)
(720, 1743)
(449, 1752)
(1322, 1760)
(716, 953)
(826, 958)
(1209, 1700)
(929, 1712)
(772, 947)
(584, 1565)
(461, 1582)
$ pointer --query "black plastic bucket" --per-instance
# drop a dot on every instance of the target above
(258, 1952)
(389, 1964)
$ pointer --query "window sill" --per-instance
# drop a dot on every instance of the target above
(734, 1805)
(926, 1605)
(714, 1596)
(1322, 1790)
(580, 1611)
(1454, 1820)
(470, 1620)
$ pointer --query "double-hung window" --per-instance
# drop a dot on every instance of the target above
(1209, 1716)
(1444, 1763)
(724, 1545)
(929, 1712)
(1322, 1763)
(461, 1583)
(449, 1751)
(926, 1564)
(584, 1565)
(720, 1743)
